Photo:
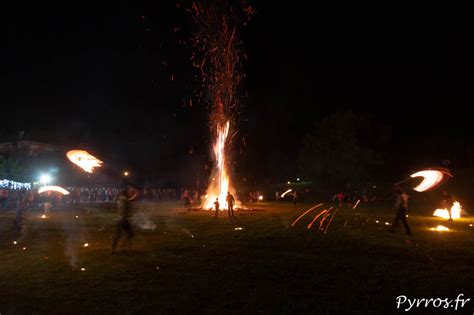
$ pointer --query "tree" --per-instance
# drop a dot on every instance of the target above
(10, 168)
(339, 150)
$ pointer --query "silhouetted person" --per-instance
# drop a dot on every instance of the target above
(230, 203)
(340, 198)
(216, 206)
(19, 216)
(124, 212)
(447, 203)
(187, 200)
(295, 198)
(401, 206)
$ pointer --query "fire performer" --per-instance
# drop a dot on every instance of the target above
(230, 203)
(187, 200)
(295, 198)
(401, 207)
(125, 212)
(447, 203)
(216, 206)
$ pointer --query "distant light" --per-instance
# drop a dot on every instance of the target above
(24, 248)
(470, 224)
(83, 269)
(239, 228)
(77, 217)
(86, 244)
(15, 242)
(125, 173)
(45, 179)
(289, 182)
(386, 223)
(43, 216)
(377, 221)
(374, 186)
(260, 197)
(298, 179)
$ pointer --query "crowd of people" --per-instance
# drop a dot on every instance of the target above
(10, 197)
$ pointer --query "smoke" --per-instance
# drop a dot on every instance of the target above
(74, 236)
(143, 221)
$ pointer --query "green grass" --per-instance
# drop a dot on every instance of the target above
(268, 267)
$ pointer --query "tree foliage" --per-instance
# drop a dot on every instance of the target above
(340, 150)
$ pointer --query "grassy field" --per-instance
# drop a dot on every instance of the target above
(192, 263)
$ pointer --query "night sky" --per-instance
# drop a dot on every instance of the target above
(100, 77)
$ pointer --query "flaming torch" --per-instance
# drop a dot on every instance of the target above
(84, 160)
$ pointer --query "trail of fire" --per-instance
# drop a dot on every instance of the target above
(286, 192)
(350, 216)
(324, 219)
(357, 203)
(53, 188)
(332, 218)
(306, 212)
(316, 217)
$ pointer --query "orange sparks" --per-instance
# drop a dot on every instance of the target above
(307, 211)
(332, 218)
(324, 219)
(316, 217)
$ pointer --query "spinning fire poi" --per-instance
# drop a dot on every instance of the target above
(217, 56)
(84, 160)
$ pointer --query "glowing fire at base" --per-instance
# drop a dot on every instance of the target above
(218, 189)
(440, 228)
(455, 212)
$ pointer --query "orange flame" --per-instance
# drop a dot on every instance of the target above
(84, 160)
(220, 188)
(455, 212)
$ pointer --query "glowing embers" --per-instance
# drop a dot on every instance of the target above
(440, 228)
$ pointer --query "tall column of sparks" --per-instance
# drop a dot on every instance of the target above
(217, 56)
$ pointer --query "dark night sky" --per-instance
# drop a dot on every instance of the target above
(95, 76)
